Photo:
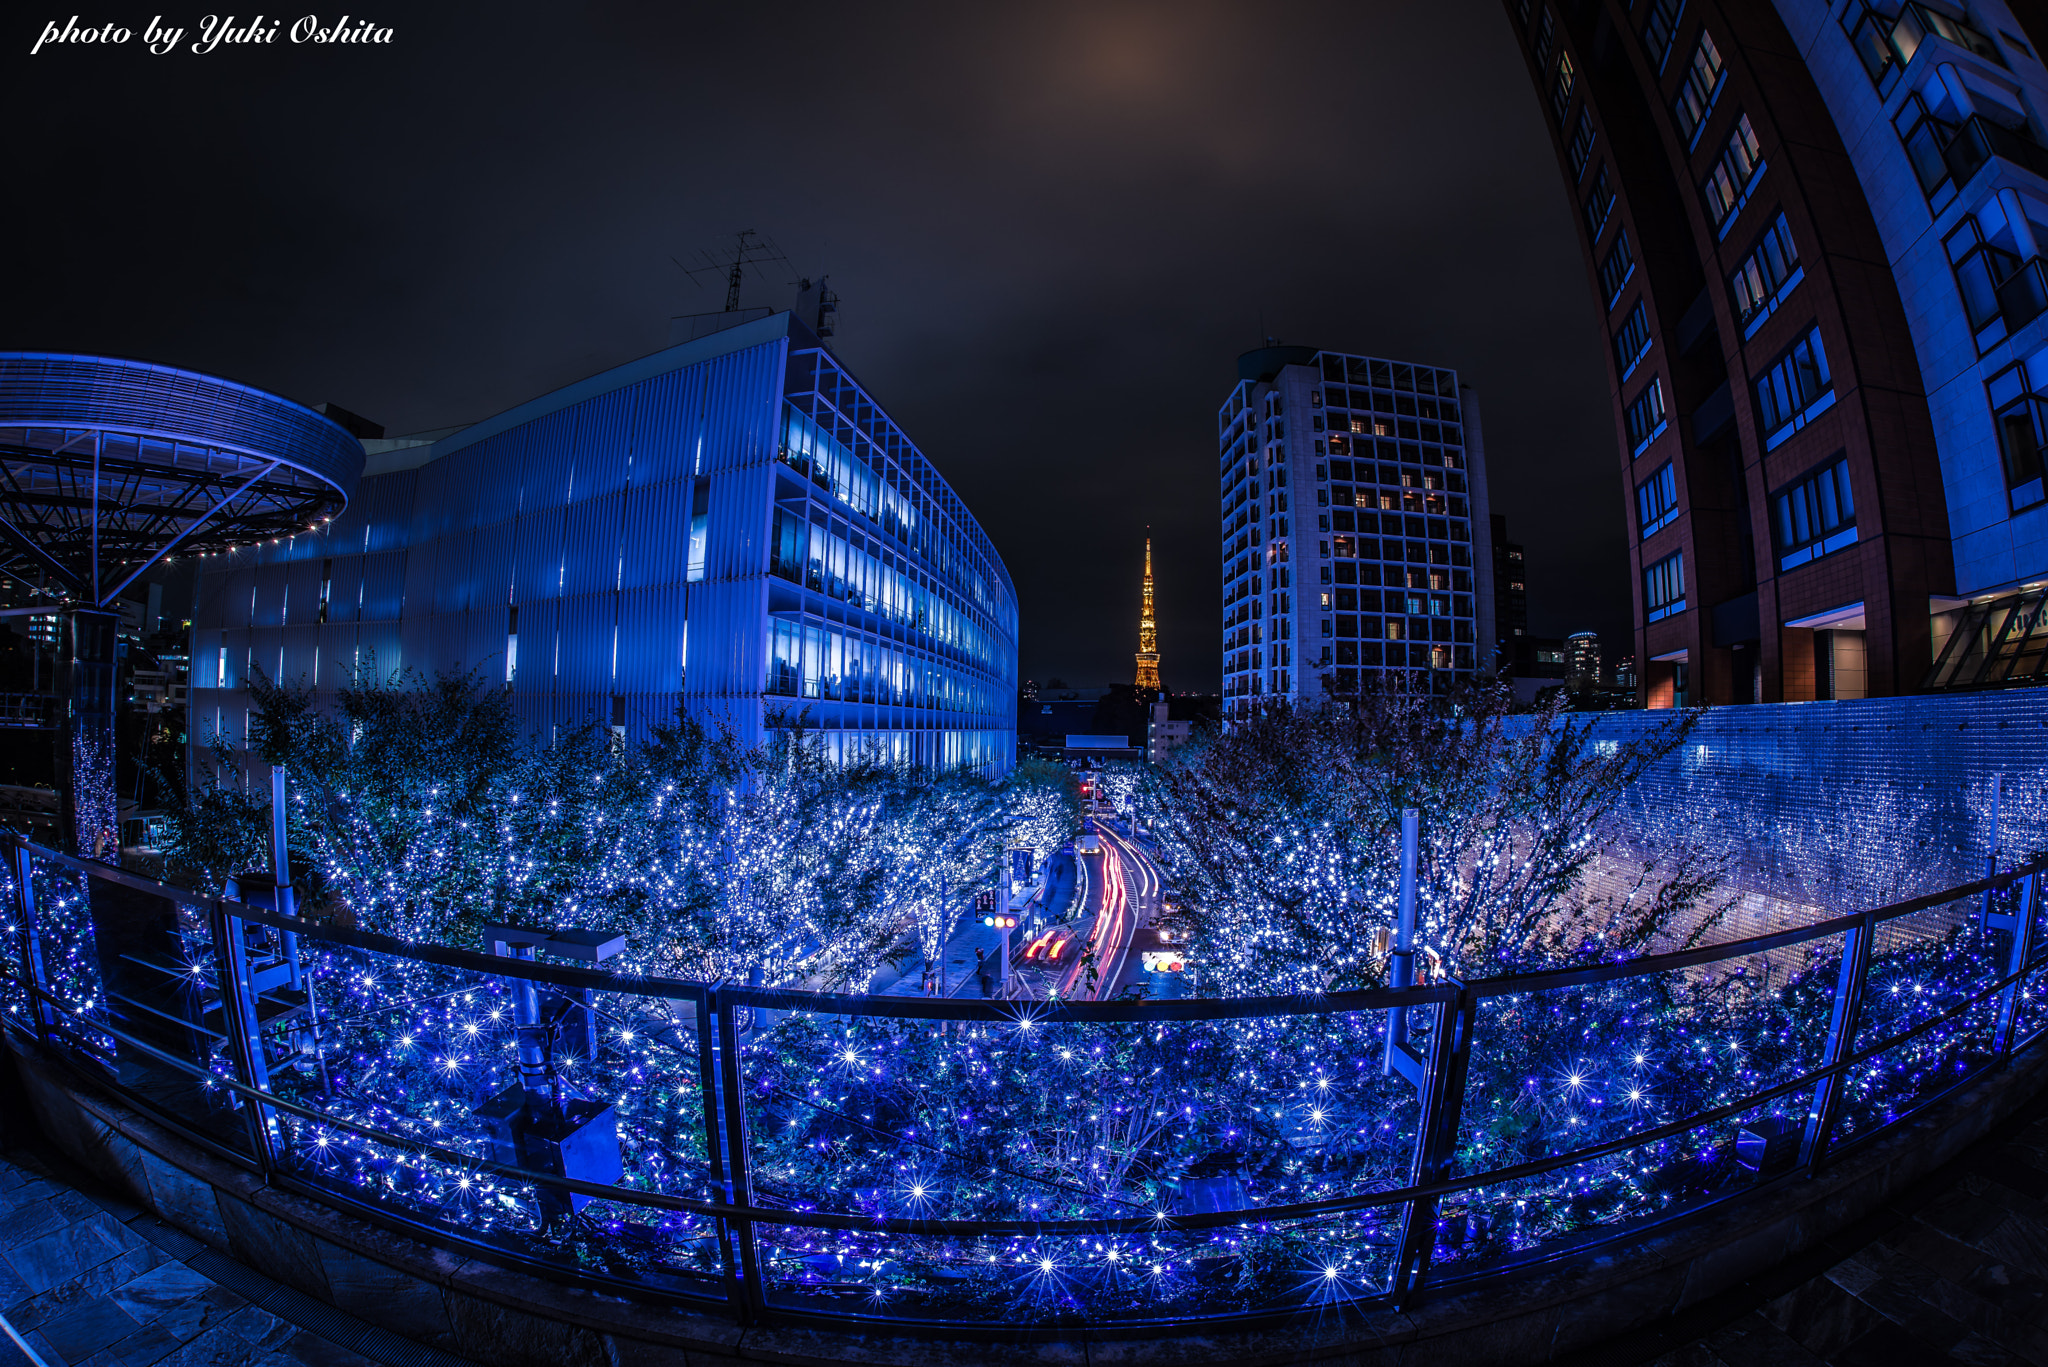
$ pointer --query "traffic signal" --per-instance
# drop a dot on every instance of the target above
(1000, 922)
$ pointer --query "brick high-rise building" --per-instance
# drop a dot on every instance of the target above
(1816, 232)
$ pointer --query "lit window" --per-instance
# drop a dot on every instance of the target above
(1645, 417)
(1696, 93)
(1632, 342)
(1734, 176)
(1766, 276)
(1664, 587)
(1657, 501)
(1815, 516)
(1599, 203)
(1616, 268)
(1796, 390)
(1582, 144)
(1660, 28)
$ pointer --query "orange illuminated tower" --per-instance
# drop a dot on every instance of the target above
(1148, 632)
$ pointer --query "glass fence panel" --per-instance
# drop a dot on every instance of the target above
(1921, 966)
(433, 1054)
(1553, 1213)
(2032, 1014)
(161, 992)
(1574, 1067)
(15, 1008)
(69, 959)
(1035, 1118)
(1171, 1276)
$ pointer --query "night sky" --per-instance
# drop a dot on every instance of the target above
(1053, 229)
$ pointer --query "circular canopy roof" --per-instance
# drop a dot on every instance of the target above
(106, 466)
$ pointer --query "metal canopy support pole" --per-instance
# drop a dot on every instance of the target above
(88, 814)
(1827, 1096)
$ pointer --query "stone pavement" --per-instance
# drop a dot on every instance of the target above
(88, 1281)
(1955, 1270)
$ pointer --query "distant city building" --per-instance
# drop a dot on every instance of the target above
(1510, 589)
(1532, 664)
(1582, 660)
(1148, 633)
(1165, 735)
(733, 525)
(1817, 233)
(1625, 672)
(1351, 487)
(1029, 692)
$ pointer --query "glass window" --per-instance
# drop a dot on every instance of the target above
(1728, 187)
(1982, 271)
(1870, 35)
(1561, 86)
(1664, 587)
(1660, 28)
(1657, 501)
(1646, 416)
(1546, 34)
(1796, 389)
(1582, 144)
(1697, 91)
(1616, 268)
(1924, 136)
(1771, 268)
(1632, 342)
(1815, 515)
(2019, 404)
(1598, 204)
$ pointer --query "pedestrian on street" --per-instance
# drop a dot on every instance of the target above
(985, 969)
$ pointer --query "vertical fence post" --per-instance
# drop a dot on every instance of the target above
(1436, 1136)
(241, 1024)
(1401, 965)
(2022, 949)
(33, 978)
(746, 1262)
(714, 1146)
(1841, 1042)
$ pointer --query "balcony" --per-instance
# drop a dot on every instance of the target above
(1977, 140)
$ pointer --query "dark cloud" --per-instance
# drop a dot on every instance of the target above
(1053, 227)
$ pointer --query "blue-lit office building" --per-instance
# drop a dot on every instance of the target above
(732, 524)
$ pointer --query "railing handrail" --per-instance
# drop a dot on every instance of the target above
(727, 1094)
(923, 1008)
(1158, 1221)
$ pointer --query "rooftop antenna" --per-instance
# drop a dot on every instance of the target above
(826, 320)
(750, 249)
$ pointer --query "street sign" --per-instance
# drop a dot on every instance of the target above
(1020, 866)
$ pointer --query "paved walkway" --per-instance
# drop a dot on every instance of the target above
(1955, 1270)
(89, 1281)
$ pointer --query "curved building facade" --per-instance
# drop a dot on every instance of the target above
(1810, 227)
(733, 525)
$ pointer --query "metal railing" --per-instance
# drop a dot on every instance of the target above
(848, 1159)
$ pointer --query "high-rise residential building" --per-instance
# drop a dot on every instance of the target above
(1148, 633)
(1351, 487)
(1815, 230)
(1582, 661)
(1510, 590)
(733, 525)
